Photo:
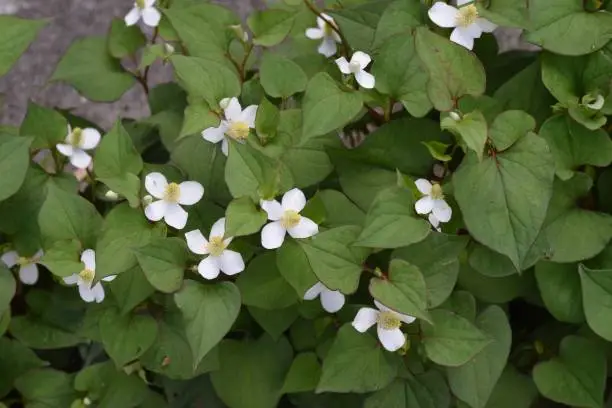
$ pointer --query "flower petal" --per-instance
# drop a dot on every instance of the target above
(462, 37)
(443, 15)
(214, 134)
(10, 258)
(365, 79)
(149, 3)
(392, 340)
(273, 208)
(424, 186)
(231, 262)
(156, 184)
(109, 278)
(151, 16)
(64, 149)
(473, 30)
(191, 192)
(225, 146)
(98, 292)
(248, 115)
(485, 25)
(273, 235)
(332, 300)
(305, 228)
(406, 318)
(196, 242)
(90, 138)
(132, 16)
(175, 216)
(433, 220)
(365, 318)
(86, 292)
(156, 210)
(218, 228)
(208, 268)
(88, 257)
(71, 280)
(294, 200)
(314, 291)
(343, 65)
(442, 211)
(28, 274)
(315, 33)
(381, 307)
(328, 47)
(80, 159)
(233, 110)
(361, 58)
(424, 205)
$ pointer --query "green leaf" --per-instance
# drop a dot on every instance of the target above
(16, 34)
(356, 363)
(334, 259)
(597, 299)
(513, 390)
(438, 150)
(399, 17)
(270, 27)
(253, 372)
(15, 359)
(281, 77)
(490, 263)
(463, 303)
(559, 286)
(358, 22)
(304, 374)
(509, 126)
(327, 107)
(474, 381)
(266, 121)
(339, 210)
(47, 126)
(472, 128)
(573, 145)
(46, 387)
(63, 258)
(163, 261)
(576, 377)
(126, 337)
(243, 218)
(197, 117)
(274, 322)
(209, 312)
(491, 195)
(92, 72)
(453, 70)
(452, 340)
(130, 289)
(263, 286)
(391, 221)
(124, 40)
(293, 264)
(402, 290)
(14, 160)
(7, 288)
(505, 13)
(427, 390)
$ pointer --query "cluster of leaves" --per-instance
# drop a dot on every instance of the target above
(512, 297)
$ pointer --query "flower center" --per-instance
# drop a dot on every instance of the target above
(354, 67)
(290, 219)
(388, 320)
(467, 15)
(436, 192)
(216, 246)
(172, 193)
(22, 260)
(87, 275)
(328, 30)
(238, 131)
(76, 137)
(140, 4)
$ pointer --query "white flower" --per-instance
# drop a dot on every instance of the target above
(28, 270)
(356, 66)
(236, 124)
(77, 141)
(331, 300)
(219, 259)
(387, 322)
(326, 32)
(169, 196)
(465, 21)
(143, 9)
(85, 278)
(285, 218)
(432, 202)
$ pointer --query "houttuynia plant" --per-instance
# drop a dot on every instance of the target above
(350, 204)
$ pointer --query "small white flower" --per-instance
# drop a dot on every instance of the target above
(432, 203)
(236, 124)
(326, 32)
(359, 61)
(219, 259)
(77, 141)
(465, 20)
(331, 300)
(286, 218)
(169, 196)
(387, 322)
(597, 104)
(143, 9)
(85, 278)
(28, 270)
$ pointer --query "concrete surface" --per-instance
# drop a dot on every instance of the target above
(71, 19)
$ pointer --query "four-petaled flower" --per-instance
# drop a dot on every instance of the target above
(219, 259)
(359, 61)
(331, 300)
(170, 198)
(28, 270)
(387, 322)
(286, 218)
(236, 124)
(325, 31)
(432, 203)
(85, 278)
(77, 141)
(143, 9)
(465, 20)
